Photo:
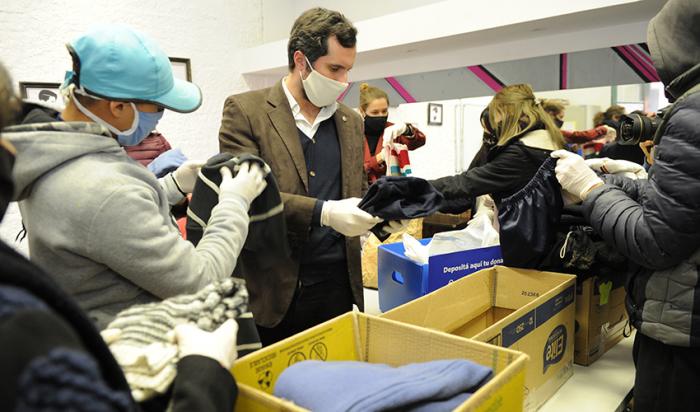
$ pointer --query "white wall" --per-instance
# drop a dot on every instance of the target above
(209, 32)
(279, 15)
(437, 157)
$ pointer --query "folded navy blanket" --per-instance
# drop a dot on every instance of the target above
(440, 385)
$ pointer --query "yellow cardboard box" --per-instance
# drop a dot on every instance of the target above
(526, 310)
(601, 318)
(360, 337)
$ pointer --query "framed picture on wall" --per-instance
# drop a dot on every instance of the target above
(434, 114)
(40, 92)
(181, 68)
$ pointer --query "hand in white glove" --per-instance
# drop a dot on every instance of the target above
(219, 345)
(248, 183)
(611, 134)
(346, 218)
(394, 131)
(185, 176)
(624, 167)
(485, 203)
(574, 175)
(395, 226)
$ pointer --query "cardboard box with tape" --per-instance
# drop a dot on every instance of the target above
(526, 310)
(601, 318)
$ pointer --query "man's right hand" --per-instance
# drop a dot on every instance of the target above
(346, 218)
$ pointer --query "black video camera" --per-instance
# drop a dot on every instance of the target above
(636, 128)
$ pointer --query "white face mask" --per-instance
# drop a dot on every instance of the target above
(99, 120)
(321, 90)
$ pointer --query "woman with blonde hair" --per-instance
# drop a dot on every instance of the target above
(518, 137)
(374, 108)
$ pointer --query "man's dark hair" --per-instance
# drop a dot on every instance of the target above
(312, 29)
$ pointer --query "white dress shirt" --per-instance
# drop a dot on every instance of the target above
(309, 129)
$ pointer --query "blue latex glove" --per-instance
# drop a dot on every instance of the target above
(167, 162)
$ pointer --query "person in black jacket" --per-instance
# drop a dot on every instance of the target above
(519, 136)
(53, 357)
(656, 223)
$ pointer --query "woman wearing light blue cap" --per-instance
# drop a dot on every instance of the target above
(98, 221)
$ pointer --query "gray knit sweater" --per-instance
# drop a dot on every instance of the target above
(100, 224)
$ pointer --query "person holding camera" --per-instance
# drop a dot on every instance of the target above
(655, 222)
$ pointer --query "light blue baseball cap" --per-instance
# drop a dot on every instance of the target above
(116, 62)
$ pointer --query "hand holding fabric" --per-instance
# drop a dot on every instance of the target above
(186, 175)
(574, 175)
(248, 183)
(346, 218)
(394, 131)
(624, 167)
(610, 134)
(219, 345)
(166, 162)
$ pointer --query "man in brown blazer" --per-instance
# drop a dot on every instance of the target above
(313, 145)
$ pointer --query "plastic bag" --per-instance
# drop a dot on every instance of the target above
(479, 233)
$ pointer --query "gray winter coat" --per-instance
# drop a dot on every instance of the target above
(656, 223)
(100, 223)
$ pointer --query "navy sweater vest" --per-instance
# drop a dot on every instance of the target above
(322, 155)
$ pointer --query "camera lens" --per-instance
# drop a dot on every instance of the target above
(635, 128)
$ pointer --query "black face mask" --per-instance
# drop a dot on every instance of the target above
(374, 125)
(7, 161)
(559, 122)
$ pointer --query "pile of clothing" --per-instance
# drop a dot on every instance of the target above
(142, 337)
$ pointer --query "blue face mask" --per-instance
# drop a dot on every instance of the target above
(146, 124)
(143, 123)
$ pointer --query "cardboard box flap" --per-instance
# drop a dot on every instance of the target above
(432, 308)
(518, 287)
(250, 400)
(399, 343)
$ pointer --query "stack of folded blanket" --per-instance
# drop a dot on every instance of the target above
(440, 385)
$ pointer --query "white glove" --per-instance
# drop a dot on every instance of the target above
(611, 134)
(186, 175)
(219, 345)
(485, 204)
(613, 167)
(574, 175)
(346, 218)
(248, 183)
(394, 131)
(395, 226)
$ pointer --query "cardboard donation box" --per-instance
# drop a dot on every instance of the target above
(402, 280)
(601, 318)
(355, 336)
(525, 310)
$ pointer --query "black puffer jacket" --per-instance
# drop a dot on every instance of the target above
(656, 223)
